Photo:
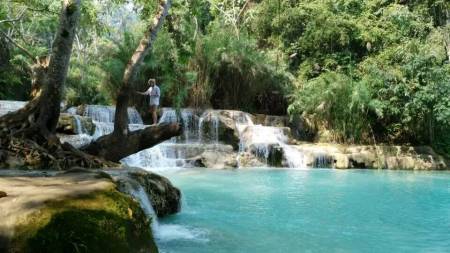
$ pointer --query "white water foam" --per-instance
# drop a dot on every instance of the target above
(171, 155)
(166, 232)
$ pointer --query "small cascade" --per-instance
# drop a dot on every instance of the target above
(77, 141)
(103, 118)
(189, 121)
(164, 232)
(267, 141)
(323, 161)
(293, 157)
(211, 127)
(102, 113)
(79, 128)
(158, 157)
(138, 193)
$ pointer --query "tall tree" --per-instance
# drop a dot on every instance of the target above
(39, 117)
(131, 143)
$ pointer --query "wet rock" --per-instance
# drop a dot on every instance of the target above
(3, 194)
(372, 157)
(221, 125)
(249, 160)
(219, 160)
(165, 198)
(74, 124)
(270, 154)
(271, 120)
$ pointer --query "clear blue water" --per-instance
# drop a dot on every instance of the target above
(309, 211)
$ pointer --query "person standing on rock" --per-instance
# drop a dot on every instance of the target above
(154, 93)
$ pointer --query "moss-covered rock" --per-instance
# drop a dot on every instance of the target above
(165, 198)
(71, 212)
(105, 221)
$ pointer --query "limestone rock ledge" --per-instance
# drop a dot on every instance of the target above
(372, 157)
(70, 212)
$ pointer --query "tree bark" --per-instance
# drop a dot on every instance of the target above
(113, 149)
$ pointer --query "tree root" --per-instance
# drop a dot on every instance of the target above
(28, 154)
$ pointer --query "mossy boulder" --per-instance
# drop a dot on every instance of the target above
(164, 197)
(105, 221)
(76, 212)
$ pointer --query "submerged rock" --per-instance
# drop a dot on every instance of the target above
(3, 194)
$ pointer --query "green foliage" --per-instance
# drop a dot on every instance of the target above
(232, 73)
(336, 101)
(375, 70)
(365, 69)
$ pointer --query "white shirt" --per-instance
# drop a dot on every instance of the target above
(154, 94)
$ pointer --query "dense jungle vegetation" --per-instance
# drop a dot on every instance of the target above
(367, 71)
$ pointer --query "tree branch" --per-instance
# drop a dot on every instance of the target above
(14, 19)
(23, 49)
(132, 68)
(113, 149)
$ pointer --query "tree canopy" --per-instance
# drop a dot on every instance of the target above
(375, 70)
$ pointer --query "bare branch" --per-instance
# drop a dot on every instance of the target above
(14, 19)
(24, 50)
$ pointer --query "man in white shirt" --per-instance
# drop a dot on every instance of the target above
(154, 93)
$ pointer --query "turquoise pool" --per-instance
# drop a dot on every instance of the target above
(309, 211)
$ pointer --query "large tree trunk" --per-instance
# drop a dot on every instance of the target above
(41, 114)
(136, 141)
(27, 136)
(121, 143)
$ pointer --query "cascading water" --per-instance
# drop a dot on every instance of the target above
(141, 196)
(200, 133)
(183, 151)
(262, 140)
(163, 232)
(103, 119)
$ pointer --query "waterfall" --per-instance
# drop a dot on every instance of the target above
(201, 132)
(141, 196)
(262, 139)
(103, 119)
(164, 232)
(293, 157)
